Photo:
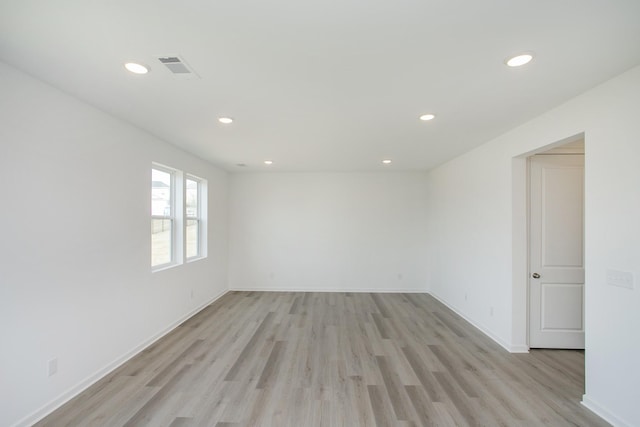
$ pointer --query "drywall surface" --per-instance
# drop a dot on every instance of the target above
(76, 282)
(469, 240)
(327, 232)
(475, 236)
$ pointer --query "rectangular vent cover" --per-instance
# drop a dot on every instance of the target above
(178, 67)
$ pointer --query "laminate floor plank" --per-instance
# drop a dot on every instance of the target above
(423, 406)
(279, 359)
(423, 372)
(181, 422)
(401, 366)
(395, 390)
(249, 347)
(107, 416)
(382, 409)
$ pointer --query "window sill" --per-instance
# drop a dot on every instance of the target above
(196, 258)
(164, 267)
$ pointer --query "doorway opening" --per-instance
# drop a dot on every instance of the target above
(521, 232)
(556, 248)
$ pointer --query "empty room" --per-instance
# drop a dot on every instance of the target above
(322, 213)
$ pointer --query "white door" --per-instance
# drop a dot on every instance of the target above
(556, 267)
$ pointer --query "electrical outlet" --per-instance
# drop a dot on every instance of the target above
(466, 296)
(491, 311)
(400, 276)
(52, 366)
(623, 279)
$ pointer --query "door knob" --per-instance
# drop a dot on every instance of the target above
(535, 275)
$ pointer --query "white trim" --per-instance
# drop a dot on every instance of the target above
(203, 205)
(201, 210)
(48, 408)
(518, 348)
(338, 290)
(520, 236)
(175, 178)
(520, 253)
(602, 412)
(510, 348)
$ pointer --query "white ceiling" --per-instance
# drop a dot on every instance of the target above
(323, 85)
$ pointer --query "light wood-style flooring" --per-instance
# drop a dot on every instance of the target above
(333, 359)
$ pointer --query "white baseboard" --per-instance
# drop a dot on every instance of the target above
(507, 346)
(47, 409)
(340, 290)
(518, 348)
(603, 413)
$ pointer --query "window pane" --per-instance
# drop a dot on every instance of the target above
(193, 233)
(160, 192)
(161, 241)
(192, 198)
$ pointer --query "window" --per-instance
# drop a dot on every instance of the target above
(162, 216)
(178, 217)
(193, 223)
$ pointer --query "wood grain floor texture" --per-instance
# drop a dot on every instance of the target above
(333, 359)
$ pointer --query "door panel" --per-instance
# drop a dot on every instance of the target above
(561, 307)
(556, 284)
(561, 199)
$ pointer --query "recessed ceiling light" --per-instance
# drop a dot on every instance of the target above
(427, 117)
(268, 162)
(386, 161)
(225, 120)
(519, 60)
(136, 68)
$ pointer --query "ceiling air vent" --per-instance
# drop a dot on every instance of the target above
(178, 67)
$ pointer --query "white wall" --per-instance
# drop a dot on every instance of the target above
(75, 273)
(473, 235)
(469, 238)
(327, 231)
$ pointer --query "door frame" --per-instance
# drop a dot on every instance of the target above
(520, 243)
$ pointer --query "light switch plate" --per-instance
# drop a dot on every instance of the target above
(623, 279)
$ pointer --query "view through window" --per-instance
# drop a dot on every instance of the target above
(192, 202)
(162, 217)
(178, 217)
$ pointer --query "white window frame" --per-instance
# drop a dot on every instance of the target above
(200, 217)
(176, 216)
